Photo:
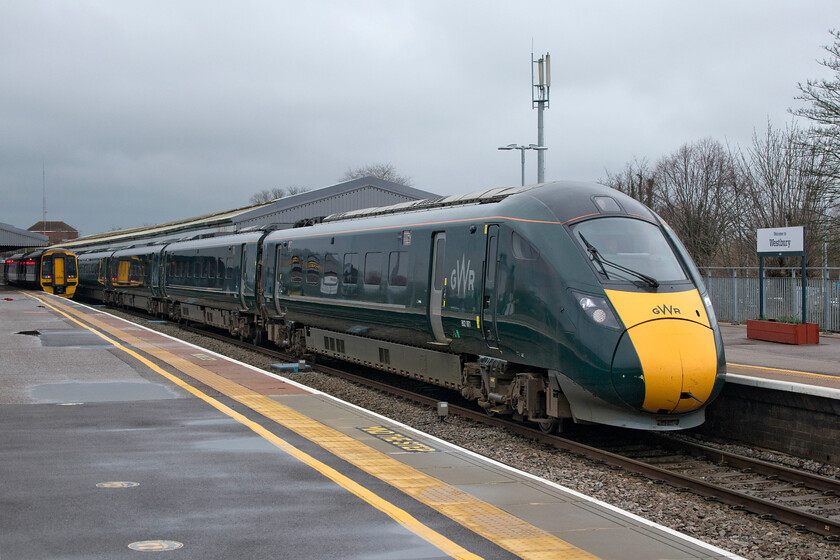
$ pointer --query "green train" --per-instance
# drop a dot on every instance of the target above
(553, 302)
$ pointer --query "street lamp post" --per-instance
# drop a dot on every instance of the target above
(522, 149)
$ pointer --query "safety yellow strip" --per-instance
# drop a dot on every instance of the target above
(779, 370)
(399, 515)
(492, 523)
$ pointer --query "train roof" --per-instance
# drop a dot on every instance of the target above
(475, 197)
(567, 200)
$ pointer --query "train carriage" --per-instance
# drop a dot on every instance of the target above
(54, 271)
(548, 302)
(522, 299)
(213, 281)
(133, 278)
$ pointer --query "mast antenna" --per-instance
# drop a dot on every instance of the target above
(44, 199)
(541, 86)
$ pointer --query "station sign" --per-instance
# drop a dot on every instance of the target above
(780, 242)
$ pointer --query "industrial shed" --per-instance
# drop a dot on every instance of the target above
(365, 192)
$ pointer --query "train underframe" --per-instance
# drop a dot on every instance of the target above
(497, 386)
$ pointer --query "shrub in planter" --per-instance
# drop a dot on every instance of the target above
(790, 332)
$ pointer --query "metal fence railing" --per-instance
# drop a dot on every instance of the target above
(734, 293)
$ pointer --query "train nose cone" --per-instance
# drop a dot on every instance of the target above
(678, 361)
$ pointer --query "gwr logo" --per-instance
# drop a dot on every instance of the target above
(666, 310)
(462, 278)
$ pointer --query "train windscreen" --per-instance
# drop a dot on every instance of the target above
(630, 250)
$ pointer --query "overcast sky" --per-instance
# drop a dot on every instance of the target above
(144, 112)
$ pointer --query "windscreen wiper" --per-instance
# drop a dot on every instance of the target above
(597, 257)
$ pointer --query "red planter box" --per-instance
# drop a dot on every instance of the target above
(787, 333)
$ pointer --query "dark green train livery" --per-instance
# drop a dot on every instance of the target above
(549, 302)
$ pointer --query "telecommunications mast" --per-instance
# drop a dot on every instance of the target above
(44, 199)
(539, 98)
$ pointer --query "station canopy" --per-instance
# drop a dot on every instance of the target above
(12, 238)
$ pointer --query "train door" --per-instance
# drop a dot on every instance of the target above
(157, 273)
(59, 274)
(242, 276)
(488, 299)
(436, 301)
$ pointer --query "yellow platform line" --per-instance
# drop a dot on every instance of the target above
(496, 525)
(779, 370)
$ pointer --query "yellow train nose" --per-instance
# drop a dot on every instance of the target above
(679, 363)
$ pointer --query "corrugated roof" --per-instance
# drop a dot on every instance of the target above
(326, 193)
(308, 202)
(169, 228)
(12, 237)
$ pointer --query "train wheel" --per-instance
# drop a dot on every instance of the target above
(490, 412)
(547, 427)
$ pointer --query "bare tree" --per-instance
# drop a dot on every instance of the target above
(787, 184)
(384, 171)
(696, 193)
(267, 195)
(635, 180)
(823, 111)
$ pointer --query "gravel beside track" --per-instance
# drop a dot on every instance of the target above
(736, 531)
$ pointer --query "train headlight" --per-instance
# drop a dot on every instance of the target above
(597, 309)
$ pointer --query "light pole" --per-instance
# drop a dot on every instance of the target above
(522, 149)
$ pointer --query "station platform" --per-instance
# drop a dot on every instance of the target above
(811, 369)
(117, 438)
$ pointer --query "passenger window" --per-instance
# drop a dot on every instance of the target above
(398, 268)
(313, 269)
(522, 249)
(47, 267)
(351, 268)
(331, 269)
(297, 270)
(373, 269)
(439, 252)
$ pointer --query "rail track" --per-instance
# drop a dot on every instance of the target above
(806, 501)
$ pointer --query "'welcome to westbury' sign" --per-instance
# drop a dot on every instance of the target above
(780, 242)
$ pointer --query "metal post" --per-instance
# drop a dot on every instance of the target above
(540, 143)
(761, 288)
(540, 93)
(522, 151)
(804, 283)
(735, 295)
(825, 287)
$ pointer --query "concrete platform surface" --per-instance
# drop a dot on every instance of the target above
(116, 438)
(808, 368)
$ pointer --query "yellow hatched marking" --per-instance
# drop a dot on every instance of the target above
(498, 526)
